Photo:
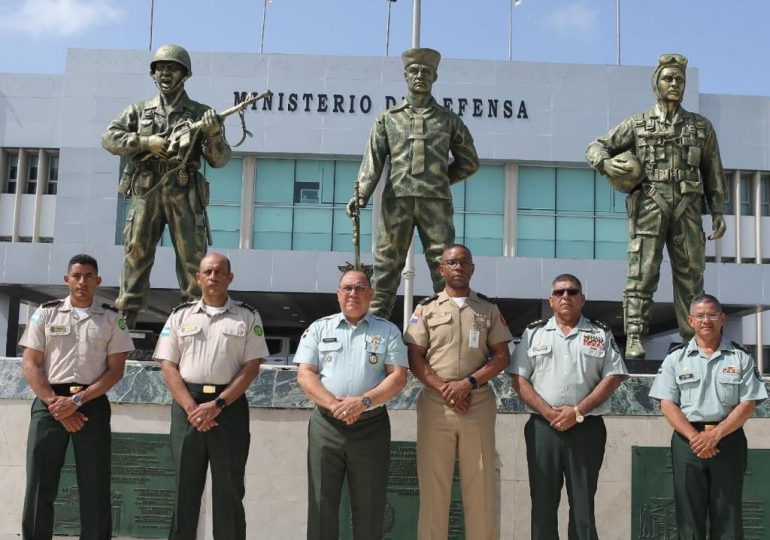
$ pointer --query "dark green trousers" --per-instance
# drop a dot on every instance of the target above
(709, 489)
(576, 456)
(360, 451)
(46, 447)
(226, 449)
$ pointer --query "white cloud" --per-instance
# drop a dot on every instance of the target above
(576, 18)
(54, 18)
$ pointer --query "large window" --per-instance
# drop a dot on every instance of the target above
(300, 205)
(569, 213)
(479, 204)
(32, 167)
(53, 174)
(225, 203)
(12, 174)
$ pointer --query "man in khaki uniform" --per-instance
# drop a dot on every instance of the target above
(458, 342)
(418, 136)
(165, 184)
(210, 352)
(74, 353)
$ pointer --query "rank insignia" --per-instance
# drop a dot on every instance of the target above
(328, 357)
(730, 369)
(374, 342)
(373, 359)
(479, 321)
(593, 341)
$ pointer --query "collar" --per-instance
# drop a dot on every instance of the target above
(582, 325)
(339, 318)
(182, 103)
(407, 107)
(67, 306)
(692, 346)
(659, 112)
(471, 298)
(200, 305)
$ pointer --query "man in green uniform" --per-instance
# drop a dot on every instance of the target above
(418, 135)
(678, 155)
(350, 365)
(163, 179)
(210, 351)
(74, 352)
(565, 369)
(708, 388)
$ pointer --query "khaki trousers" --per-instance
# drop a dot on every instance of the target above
(442, 436)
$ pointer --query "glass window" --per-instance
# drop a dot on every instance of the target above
(32, 161)
(479, 206)
(53, 174)
(764, 194)
(224, 208)
(729, 192)
(747, 198)
(13, 173)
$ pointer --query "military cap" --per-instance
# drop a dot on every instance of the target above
(427, 57)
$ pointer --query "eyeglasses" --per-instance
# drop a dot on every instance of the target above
(348, 289)
(673, 59)
(700, 317)
(451, 263)
(569, 292)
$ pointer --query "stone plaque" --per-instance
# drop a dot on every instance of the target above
(143, 488)
(403, 499)
(652, 495)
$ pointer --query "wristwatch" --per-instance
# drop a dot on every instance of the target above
(77, 399)
(578, 416)
(219, 402)
(366, 401)
(473, 381)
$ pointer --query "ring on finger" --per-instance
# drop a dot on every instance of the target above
(199, 419)
(452, 402)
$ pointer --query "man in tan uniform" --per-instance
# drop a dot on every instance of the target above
(210, 351)
(458, 342)
(74, 352)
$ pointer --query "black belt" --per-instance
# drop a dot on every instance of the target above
(213, 389)
(377, 411)
(704, 426)
(68, 389)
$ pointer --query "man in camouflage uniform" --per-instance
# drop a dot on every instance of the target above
(418, 135)
(680, 166)
(163, 180)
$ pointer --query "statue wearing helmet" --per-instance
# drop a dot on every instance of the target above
(668, 159)
(166, 189)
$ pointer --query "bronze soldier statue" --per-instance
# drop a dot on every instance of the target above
(418, 135)
(676, 156)
(163, 140)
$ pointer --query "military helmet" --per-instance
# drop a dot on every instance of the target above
(626, 183)
(172, 53)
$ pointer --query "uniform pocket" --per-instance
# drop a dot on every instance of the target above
(634, 257)
(688, 387)
(437, 320)
(328, 351)
(728, 388)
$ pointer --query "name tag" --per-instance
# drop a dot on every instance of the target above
(473, 339)
(60, 330)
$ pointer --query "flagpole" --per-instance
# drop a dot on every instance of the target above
(617, 29)
(510, 30)
(387, 29)
(152, 16)
(262, 32)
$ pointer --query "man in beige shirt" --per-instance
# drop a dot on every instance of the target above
(74, 352)
(210, 351)
(458, 342)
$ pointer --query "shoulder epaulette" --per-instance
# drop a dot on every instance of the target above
(537, 323)
(740, 347)
(428, 300)
(110, 307)
(183, 304)
(52, 303)
(600, 324)
(483, 297)
(247, 306)
(677, 347)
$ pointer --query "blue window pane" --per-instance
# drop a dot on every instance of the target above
(575, 190)
(612, 230)
(458, 196)
(272, 220)
(605, 195)
(226, 182)
(275, 181)
(225, 239)
(484, 226)
(537, 188)
(312, 220)
(611, 250)
(272, 240)
(225, 218)
(535, 248)
(311, 241)
(485, 246)
(574, 250)
(485, 190)
(344, 242)
(536, 228)
(619, 202)
(575, 228)
(459, 223)
(344, 176)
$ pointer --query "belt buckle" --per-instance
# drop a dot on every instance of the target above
(74, 389)
(709, 427)
(209, 389)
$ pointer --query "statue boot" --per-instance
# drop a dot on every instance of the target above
(636, 313)
(634, 347)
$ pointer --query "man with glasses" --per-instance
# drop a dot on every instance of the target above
(350, 365)
(565, 369)
(676, 157)
(418, 136)
(708, 388)
(458, 342)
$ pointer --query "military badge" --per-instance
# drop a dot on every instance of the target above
(479, 321)
(730, 369)
(373, 343)
(593, 341)
(373, 359)
(122, 324)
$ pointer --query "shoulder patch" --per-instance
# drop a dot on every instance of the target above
(110, 307)
(537, 324)
(185, 304)
(52, 303)
(677, 346)
(247, 306)
(740, 347)
(600, 324)
(426, 301)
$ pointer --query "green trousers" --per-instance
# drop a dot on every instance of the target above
(400, 215)
(553, 456)
(225, 448)
(46, 447)
(362, 453)
(709, 489)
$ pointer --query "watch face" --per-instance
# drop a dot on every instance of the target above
(221, 403)
(367, 401)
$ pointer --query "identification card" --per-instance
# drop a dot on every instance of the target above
(473, 339)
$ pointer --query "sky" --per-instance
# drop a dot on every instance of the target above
(724, 39)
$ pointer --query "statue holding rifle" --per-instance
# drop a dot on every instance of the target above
(418, 136)
(164, 140)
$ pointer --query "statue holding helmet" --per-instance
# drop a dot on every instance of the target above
(166, 188)
(668, 160)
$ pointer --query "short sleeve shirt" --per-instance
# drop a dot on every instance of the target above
(211, 349)
(457, 339)
(75, 347)
(351, 360)
(707, 389)
(564, 369)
